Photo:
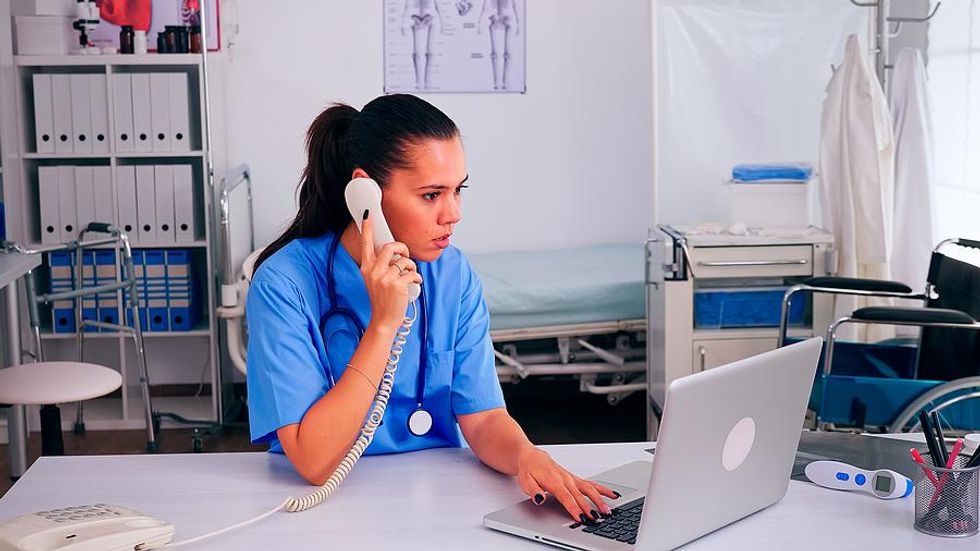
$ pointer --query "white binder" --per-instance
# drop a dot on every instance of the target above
(81, 113)
(146, 216)
(43, 115)
(184, 215)
(142, 126)
(179, 113)
(61, 109)
(126, 200)
(47, 187)
(84, 195)
(122, 111)
(163, 181)
(99, 108)
(160, 111)
(102, 185)
(66, 204)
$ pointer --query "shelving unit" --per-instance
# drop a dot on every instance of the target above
(173, 357)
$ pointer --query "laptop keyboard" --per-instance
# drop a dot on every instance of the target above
(621, 525)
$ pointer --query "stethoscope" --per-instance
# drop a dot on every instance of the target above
(420, 421)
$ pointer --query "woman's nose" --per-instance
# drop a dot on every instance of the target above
(450, 214)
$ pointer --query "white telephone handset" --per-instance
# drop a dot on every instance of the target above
(363, 194)
(130, 530)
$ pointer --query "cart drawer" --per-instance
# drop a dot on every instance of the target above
(774, 261)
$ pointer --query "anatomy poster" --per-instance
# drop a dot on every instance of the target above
(455, 46)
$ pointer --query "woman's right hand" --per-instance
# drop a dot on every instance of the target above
(386, 279)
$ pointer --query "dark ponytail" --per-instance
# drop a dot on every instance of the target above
(340, 139)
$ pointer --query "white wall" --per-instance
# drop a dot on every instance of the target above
(567, 163)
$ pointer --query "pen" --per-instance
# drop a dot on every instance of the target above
(930, 439)
(945, 476)
(940, 438)
(974, 459)
(918, 459)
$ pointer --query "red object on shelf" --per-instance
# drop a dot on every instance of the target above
(127, 12)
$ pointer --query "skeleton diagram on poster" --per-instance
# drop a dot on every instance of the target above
(455, 46)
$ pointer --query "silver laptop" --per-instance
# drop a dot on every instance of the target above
(725, 450)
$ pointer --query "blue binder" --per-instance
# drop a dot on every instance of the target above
(62, 274)
(90, 306)
(182, 296)
(155, 278)
(139, 269)
(105, 273)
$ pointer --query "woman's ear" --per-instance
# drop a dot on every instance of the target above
(359, 173)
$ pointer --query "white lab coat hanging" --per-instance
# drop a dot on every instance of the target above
(914, 232)
(857, 178)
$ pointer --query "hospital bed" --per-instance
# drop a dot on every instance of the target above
(576, 312)
(561, 313)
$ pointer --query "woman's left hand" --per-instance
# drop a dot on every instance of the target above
(538, 473)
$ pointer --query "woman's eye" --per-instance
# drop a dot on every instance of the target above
(431, 196)
(460, 189)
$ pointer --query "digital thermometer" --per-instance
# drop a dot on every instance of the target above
(883, 483)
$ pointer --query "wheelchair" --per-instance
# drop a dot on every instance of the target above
(882, 386)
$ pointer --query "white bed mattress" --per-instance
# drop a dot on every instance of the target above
(558, 287)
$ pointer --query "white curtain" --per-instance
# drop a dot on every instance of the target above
(954, 89)
(739, 81)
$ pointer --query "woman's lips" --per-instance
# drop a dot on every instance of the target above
(443, 241)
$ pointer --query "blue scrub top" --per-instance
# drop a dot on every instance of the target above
(289, 357)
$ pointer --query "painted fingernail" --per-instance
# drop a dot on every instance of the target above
(617, 494)
(366, 211)
(539, 499)
(595, 515)
(582, 518)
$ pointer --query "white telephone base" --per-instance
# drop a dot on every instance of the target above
(98, 527)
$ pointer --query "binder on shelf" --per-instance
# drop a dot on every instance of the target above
(61, 113)
(160, 111)
(179, 112)
(182, 298)
(155, 274)
(66, 204)
(184, 214)
(139, 270)
(126, 200)
(163, 183)
(62, 311)
(98, 96)
(89, 303)
(43, 114)
(47, 192)
(142, 125)
(105, 273)
(102, 185)
(81, 113)
(84, 195)
(122, 110)
(146, 216)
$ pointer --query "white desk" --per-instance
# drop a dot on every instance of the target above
(432, 499)
(12, 267)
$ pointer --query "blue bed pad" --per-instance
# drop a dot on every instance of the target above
(561, 287)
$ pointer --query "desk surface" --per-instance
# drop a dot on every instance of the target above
(432, 499)
(15, 265)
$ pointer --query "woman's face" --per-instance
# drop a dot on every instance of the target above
(421, 203)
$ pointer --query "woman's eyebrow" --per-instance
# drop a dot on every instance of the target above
(443, 186)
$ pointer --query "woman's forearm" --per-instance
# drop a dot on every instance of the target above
(498, 441)
(318, 443)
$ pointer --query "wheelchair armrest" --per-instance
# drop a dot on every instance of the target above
(858, 284)
(909, 315)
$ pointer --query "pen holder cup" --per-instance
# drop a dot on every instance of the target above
(946, 500)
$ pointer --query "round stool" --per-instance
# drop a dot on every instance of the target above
(46, 384)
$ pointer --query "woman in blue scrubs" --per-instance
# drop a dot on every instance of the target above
(324, 307)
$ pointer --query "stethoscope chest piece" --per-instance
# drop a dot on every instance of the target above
(420, 422)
